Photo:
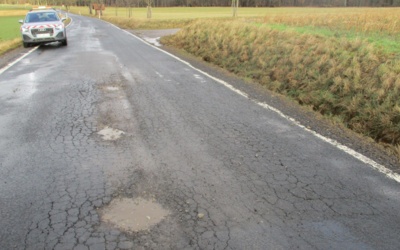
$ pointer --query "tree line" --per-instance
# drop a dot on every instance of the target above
(215, 3)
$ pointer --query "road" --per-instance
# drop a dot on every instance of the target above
(110, 118)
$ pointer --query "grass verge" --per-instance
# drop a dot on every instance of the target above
(9, 45)
(349, 80)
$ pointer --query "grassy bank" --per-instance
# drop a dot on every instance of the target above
(349, 79)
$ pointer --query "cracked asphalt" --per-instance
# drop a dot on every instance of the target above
(232, 174)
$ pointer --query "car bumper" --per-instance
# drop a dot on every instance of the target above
(29, 38)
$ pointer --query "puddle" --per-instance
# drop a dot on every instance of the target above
(133, 215)
(110, 134)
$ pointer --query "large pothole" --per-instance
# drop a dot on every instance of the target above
(133, 215)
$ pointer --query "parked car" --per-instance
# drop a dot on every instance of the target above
(42, 26)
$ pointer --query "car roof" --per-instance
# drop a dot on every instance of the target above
(46, 10)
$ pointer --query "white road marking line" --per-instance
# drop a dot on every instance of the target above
(4, 69)
(389, 173)
(382, 169)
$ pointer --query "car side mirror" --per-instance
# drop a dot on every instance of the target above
(21, 21)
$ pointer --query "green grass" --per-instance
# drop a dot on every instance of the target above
(9, 27)
(388, 43)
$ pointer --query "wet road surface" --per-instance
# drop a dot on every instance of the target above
(229, 174)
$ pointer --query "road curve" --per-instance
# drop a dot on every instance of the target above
(230, 173)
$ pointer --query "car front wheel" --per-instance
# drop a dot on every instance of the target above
(26, 45)
(64, 42)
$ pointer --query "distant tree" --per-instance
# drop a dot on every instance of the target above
(149, 13)
(235, 6)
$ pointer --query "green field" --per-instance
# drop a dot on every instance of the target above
(9, 27)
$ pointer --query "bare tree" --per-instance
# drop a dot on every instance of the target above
(149, 13)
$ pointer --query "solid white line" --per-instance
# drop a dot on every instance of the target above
(389, 173)
(4, 69)
(382, 169)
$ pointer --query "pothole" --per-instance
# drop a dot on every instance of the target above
(110, 134)
(133, 215)
(112, 88)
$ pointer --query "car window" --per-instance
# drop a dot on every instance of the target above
(52, 17)
(41, 17)
(32, 18)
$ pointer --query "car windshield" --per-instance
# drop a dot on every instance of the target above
(41, 17)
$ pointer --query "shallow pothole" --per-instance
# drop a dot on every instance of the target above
(110, 134)
(133, 215)
(112, 88)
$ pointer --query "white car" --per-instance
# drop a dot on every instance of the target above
(43, 26)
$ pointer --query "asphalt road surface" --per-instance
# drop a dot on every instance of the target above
(110, 117)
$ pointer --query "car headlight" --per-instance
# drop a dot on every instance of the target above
(59, 26)
(24, 29)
